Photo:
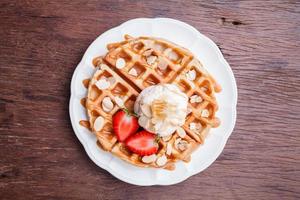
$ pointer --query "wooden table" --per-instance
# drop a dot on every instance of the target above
(42, 43)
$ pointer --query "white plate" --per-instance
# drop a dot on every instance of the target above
(207, 52)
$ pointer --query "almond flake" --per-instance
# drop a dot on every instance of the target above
(151, 59)
(161, 161)
(120, 63)
(198, 126)
(195, 99)
(119, 102)
(173, 55)
(198, 99)
(133, 72)
(189, 110)
(148, 52)
(193, 126)
(166, 138)
(191, 75)
(162, 63)
(102, 84)
(177, 142)
(98, 123)
(111, 80)
(149, 159)
(181, 132)
(107, 104)
(205, 113)
(182, 145)
(169, 149)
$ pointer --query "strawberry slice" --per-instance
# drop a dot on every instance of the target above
(142, 143)
(124, 124)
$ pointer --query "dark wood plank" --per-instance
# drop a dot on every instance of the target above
(41, 43)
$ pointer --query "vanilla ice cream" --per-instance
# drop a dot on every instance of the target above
(161, 108)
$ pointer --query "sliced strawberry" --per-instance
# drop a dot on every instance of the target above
(142, 143)
(124, 124)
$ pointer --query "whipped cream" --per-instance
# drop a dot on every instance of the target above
(161, 108)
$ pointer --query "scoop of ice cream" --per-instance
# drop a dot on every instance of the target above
(161, 108)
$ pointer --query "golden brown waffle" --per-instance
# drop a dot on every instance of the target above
(154, 61)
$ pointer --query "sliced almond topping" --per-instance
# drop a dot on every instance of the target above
(195, 99)
(181, 132)
(107, 104)
(205, 113)
(192, 126)
(173, 55)
(162, 63)
(161, 161)
(166, 138)
(151, 59)
(146, 109)
(149, 159)
(98, 123)
(120, 63)
(169, 149)
(133, 72)
(189, 110)
(148, 52)
(198, 126)
(177, 142)
(102, 84)
(119, 102)
(191, 75)
(198, 99)
(182, 145)
(111, 80)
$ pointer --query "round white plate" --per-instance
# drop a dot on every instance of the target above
(210, 56)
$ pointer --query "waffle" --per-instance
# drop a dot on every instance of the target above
(154, 61)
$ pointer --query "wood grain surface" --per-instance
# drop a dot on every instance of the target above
(41, 43)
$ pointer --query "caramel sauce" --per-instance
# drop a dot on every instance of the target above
(83, 101)
(86, 82)
(85, 124)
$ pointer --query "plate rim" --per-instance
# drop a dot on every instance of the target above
(224, 140)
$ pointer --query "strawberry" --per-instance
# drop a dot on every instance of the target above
(142, 143)
(124, 124)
